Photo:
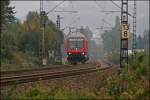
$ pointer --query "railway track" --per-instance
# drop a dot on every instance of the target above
(26, 71)
(48, 74)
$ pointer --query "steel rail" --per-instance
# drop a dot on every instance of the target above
(35, 69)
(51, 75)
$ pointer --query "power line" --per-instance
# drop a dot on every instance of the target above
(106, 22)
(55, 7)
(115, 4)
(72, 23)
(98, 4)
(113, 11)
(121, 8)
(67, 11)
(103, 21)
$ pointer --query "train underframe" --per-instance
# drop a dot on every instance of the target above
(75, 58)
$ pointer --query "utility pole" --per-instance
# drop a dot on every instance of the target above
(43, 17)
(124, 34)
(59, 45)
(42, 25)
(58, 22)
(134, 33)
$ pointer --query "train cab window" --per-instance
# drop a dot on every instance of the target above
(76, 43)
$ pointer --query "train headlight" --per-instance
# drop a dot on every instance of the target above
(83, 53)
(69, 53)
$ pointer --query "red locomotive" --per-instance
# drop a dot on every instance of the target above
(76, 48)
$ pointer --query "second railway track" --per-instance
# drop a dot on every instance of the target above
(43, 75)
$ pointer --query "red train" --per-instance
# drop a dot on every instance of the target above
(76, 48)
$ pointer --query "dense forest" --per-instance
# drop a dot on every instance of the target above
(21, 42)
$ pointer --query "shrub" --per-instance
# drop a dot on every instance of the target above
(42, 92)
(114, 87)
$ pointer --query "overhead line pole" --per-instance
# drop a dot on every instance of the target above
(59, 46)
(43, 16)
(124, 34)
(134, 33)
(42, 25)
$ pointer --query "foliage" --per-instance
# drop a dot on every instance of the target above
(140, 42)
(20, 61)
(141, 65)
(31, 36)
(7, 13)
(18, 38)
(9, 42)
(111, 38)
(132, 83)
(146, 41)
(9, 93)
(42, 92)
(114, 88)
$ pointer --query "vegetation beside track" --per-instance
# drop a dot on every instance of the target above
(21, 41)
(132, 83)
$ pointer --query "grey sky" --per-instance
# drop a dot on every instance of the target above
(89, 13)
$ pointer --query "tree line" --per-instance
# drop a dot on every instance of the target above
(111, 39)
(25, 38)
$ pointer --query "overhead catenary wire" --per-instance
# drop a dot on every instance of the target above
(55, 7)
(106, 12)
(75, 20)
(103, 21)
(63, 10)
(72, 23)
(115, 4)
(120, 7)
(98, 4)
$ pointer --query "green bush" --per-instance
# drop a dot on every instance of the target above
(36, 93)
(9, 93)
(114, 87)
(41, 92)
(140, 66)
(141, 71)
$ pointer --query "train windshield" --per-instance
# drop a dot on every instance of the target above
(76, 43)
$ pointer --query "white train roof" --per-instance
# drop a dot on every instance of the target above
(76, 34)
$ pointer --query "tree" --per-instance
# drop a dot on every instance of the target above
(140, 42)
(7, 13)
(9, 26)
(146, 41)
(26, 38)
(111, 38)
(31, 35)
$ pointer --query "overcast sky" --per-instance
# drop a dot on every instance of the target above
(89, 13)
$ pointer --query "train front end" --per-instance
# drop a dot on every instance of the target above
(77, 48)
